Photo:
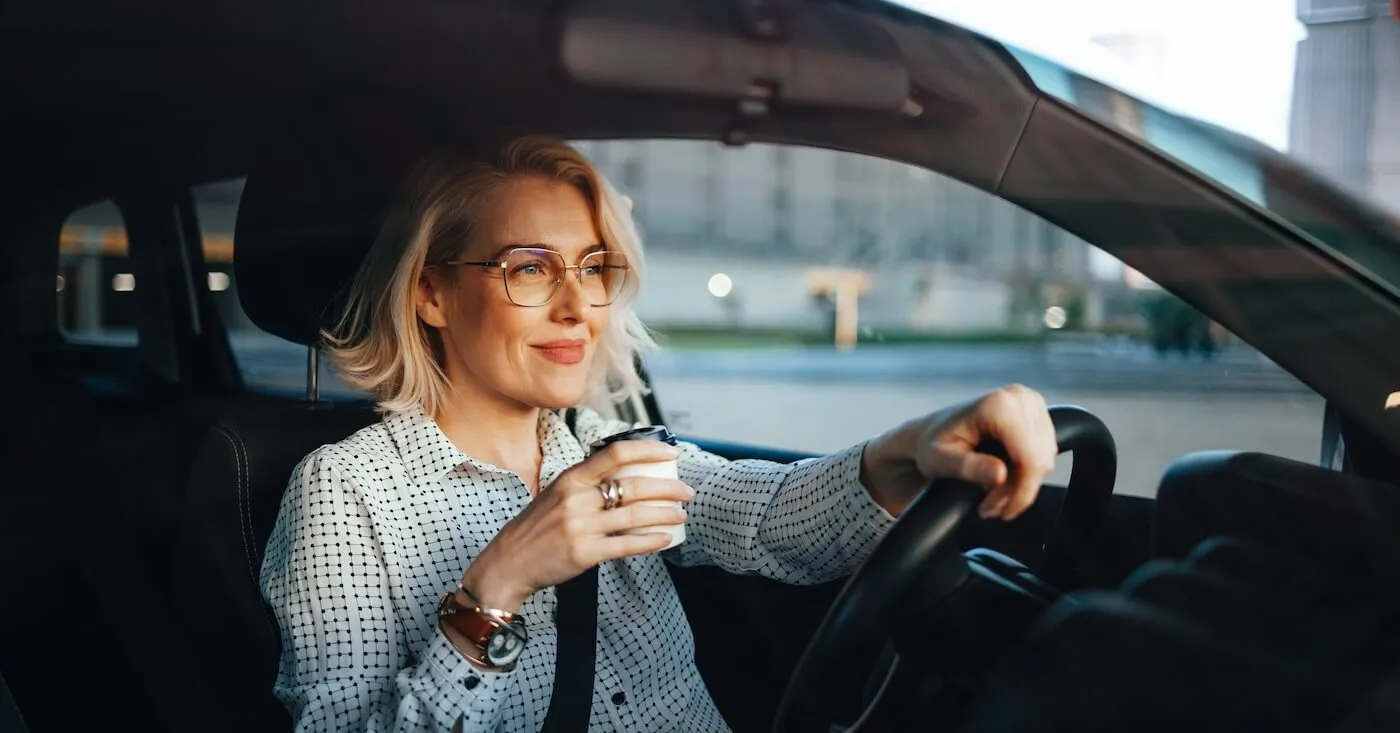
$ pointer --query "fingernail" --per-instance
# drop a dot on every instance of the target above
(689, 492)
(999, 507)
(991, 475)
(681, 511)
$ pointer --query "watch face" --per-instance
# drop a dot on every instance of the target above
(505, 644)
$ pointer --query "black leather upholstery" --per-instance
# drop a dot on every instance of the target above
(319, 190)
(312, 204)
(1234, 637)
(233, 497)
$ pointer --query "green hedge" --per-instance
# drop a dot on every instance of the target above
(683, 337)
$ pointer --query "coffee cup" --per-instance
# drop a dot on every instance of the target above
(661, 469)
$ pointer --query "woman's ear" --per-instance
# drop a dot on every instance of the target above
(431, 298)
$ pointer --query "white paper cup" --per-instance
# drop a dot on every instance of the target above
(663, 469)
(656, 470)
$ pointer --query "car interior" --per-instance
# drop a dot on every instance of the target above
(145, 478)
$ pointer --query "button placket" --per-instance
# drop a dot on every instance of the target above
(612, 691)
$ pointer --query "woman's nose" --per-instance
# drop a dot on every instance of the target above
(571, 295)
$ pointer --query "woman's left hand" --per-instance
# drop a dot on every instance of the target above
(897, 465)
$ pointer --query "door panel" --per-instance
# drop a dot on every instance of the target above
(740, 451)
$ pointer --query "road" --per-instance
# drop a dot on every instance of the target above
(821, 399)
(1094, 365)
(1152, 428)
(1112, 366)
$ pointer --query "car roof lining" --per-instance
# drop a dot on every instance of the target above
(118, 110)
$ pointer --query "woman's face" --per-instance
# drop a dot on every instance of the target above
(511, 354)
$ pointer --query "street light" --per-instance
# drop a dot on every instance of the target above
(720, 285)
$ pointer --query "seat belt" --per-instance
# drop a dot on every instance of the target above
(576, 617)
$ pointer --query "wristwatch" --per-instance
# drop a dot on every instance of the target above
(498, 636)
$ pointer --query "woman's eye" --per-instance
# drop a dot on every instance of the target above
(593, 271)
(528, 268)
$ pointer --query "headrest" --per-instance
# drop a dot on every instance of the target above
(320, 187)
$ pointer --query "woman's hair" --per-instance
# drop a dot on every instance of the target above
(379, 344)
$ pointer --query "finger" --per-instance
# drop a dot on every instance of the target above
(597, 467)
(961, 463)
(645, 488)
(628, 545)
(636, 516)
(1021, 423)
(1017, 502)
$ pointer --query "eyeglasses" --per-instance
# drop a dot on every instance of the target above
(533, 276)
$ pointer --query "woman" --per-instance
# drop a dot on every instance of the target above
(498, 295)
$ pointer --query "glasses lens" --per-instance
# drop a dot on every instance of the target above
(532, 275)
(604, 275)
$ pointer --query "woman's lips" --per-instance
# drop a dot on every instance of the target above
(563, 351)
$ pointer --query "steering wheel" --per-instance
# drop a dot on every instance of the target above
(923, 546)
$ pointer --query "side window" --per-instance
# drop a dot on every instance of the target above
(808, 299)
(901, 291)
(267, 363)
(96, 287)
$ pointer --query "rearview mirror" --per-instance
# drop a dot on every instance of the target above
(807, 53)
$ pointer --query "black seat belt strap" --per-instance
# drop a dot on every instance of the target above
(571, 703)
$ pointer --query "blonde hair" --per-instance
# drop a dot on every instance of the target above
(379, 345)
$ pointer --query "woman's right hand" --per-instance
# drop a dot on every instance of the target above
(566, 530)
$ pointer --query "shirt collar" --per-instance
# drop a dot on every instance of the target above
(427, 452)
(424, 448)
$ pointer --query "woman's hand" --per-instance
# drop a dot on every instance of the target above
(900, 463)
(566, 530)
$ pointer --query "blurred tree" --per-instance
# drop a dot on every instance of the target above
(1173, 325)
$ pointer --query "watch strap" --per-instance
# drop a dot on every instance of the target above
(475, 622)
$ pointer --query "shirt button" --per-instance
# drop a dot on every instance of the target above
(471, 682)
(619, 698)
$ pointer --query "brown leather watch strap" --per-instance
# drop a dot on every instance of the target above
(474, 622)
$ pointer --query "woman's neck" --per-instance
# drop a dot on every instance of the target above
(503, 435)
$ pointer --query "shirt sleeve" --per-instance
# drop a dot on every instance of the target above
(801, 523)
(345, 661)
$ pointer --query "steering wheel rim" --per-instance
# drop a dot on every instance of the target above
(923, 545)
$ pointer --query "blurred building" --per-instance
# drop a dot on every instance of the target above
(933, 253)
(1346, 100)
(942, 255)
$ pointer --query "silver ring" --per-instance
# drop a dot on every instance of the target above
(612, 494)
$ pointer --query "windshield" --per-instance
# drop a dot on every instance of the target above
(1358, 235)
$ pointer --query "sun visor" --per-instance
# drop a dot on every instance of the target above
(801, 53)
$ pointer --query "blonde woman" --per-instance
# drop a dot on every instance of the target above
(499, 294)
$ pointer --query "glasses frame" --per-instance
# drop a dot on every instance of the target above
(500, 264)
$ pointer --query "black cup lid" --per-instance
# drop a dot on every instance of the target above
(653, 432)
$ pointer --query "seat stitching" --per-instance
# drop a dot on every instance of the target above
(244, 514)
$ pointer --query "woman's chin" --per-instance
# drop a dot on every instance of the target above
(559, 399)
